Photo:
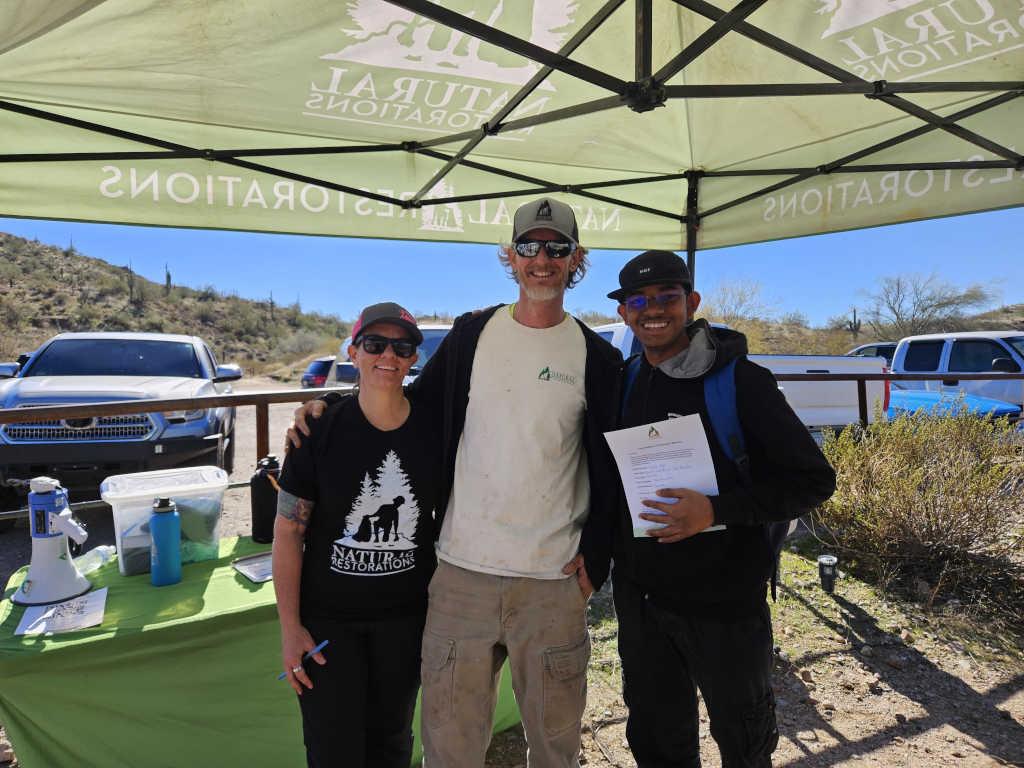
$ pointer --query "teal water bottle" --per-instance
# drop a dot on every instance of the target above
(165, 547)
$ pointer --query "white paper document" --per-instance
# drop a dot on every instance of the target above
(77, 613)
(669, 454)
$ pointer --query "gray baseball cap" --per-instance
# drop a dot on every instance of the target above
(545, 214)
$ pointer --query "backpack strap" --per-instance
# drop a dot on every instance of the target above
(720, 399)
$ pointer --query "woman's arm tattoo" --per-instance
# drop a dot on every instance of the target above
(293, 508)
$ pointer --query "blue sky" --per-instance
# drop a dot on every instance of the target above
(820, 276)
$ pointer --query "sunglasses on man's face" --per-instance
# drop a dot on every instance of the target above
(640, 302)
(375, 345)
(555, 249)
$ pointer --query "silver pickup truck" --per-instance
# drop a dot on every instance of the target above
(96, 367)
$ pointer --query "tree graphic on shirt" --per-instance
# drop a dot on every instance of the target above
(392, 482)
(365, 503)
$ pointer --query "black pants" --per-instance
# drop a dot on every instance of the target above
(359, 711)
(666, 657)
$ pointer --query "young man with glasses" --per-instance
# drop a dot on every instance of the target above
(691, 599)
(525, 392)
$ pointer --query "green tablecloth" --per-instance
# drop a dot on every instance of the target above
(177, 676)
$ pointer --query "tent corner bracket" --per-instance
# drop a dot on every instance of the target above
(644, 95)
(880, 89)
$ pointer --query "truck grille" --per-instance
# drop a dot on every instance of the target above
(135, 426)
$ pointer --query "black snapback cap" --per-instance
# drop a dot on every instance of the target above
(651, 268)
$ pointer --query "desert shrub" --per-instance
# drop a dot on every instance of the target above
(298, 344)
(938, 500)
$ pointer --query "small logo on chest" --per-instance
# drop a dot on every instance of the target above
(547, 374)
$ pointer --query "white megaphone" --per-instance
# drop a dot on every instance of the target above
(52, 575)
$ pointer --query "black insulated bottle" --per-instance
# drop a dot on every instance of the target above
(263, 496)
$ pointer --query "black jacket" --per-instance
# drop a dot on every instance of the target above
(444, 384)
(724, 572)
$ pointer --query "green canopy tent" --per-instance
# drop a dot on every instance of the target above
(666, 123)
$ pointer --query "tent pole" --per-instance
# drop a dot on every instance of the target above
(642, 47)
(692, 222)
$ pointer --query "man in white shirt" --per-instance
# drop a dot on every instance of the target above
(525, 393)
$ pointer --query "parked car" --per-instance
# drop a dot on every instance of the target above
(317, 373)
(819, 404)
(967, 352)
(94, 367)
(903, 401)
(433, 334)
(884, 349)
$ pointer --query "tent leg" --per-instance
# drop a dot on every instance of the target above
(692, 222)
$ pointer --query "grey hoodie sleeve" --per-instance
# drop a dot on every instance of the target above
(790, 476)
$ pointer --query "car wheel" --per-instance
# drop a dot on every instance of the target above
(229, 453)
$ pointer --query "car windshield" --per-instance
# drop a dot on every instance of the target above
(116, 357)
(1017, 342)
(432, 338)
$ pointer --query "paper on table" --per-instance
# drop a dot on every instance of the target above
(256, 568)
(668, 454)
(77, 613)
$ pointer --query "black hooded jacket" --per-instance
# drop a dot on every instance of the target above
(444, 385)
(723, 573)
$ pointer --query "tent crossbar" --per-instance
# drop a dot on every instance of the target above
(204, 154)
(491, 195)
(512, 43)
(953, 165)
(719, 29)
(807, 58)
(495, 123)
(874, 148)
(551, 186)
(193, 152)
(87, 125)
(830, 89)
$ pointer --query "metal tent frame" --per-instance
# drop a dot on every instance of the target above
(648, 91)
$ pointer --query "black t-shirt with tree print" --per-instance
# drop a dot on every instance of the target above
(369, 544)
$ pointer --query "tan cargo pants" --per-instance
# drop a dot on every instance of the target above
(476, 620)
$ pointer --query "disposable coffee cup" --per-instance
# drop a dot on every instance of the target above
(827, 571)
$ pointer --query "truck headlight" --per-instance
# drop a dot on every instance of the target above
(180, 417)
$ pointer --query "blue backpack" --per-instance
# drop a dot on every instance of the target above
(720, 399)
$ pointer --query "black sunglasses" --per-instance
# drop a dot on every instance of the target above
(556, 249)
(375, 345)
(640, 302)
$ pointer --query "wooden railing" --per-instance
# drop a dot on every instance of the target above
(263, 400)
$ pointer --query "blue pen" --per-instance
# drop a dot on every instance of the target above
(319, 648)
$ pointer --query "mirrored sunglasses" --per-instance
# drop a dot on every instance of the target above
(555, 249)
(375, 345)
(640, 302)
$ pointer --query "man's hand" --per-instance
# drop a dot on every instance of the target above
(295, 643)
(582, 579)
(311, 409)
(691, 514)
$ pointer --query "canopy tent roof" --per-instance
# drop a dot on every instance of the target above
(665, 123)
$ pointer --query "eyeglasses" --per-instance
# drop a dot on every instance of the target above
(556, 249)
(375, 345)
(640, 302)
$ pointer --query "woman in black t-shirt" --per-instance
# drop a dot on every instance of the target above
(354, 552)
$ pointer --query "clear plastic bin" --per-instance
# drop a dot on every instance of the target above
(198, 493)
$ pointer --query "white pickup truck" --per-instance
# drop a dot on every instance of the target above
(819, 404)
(964, 352)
